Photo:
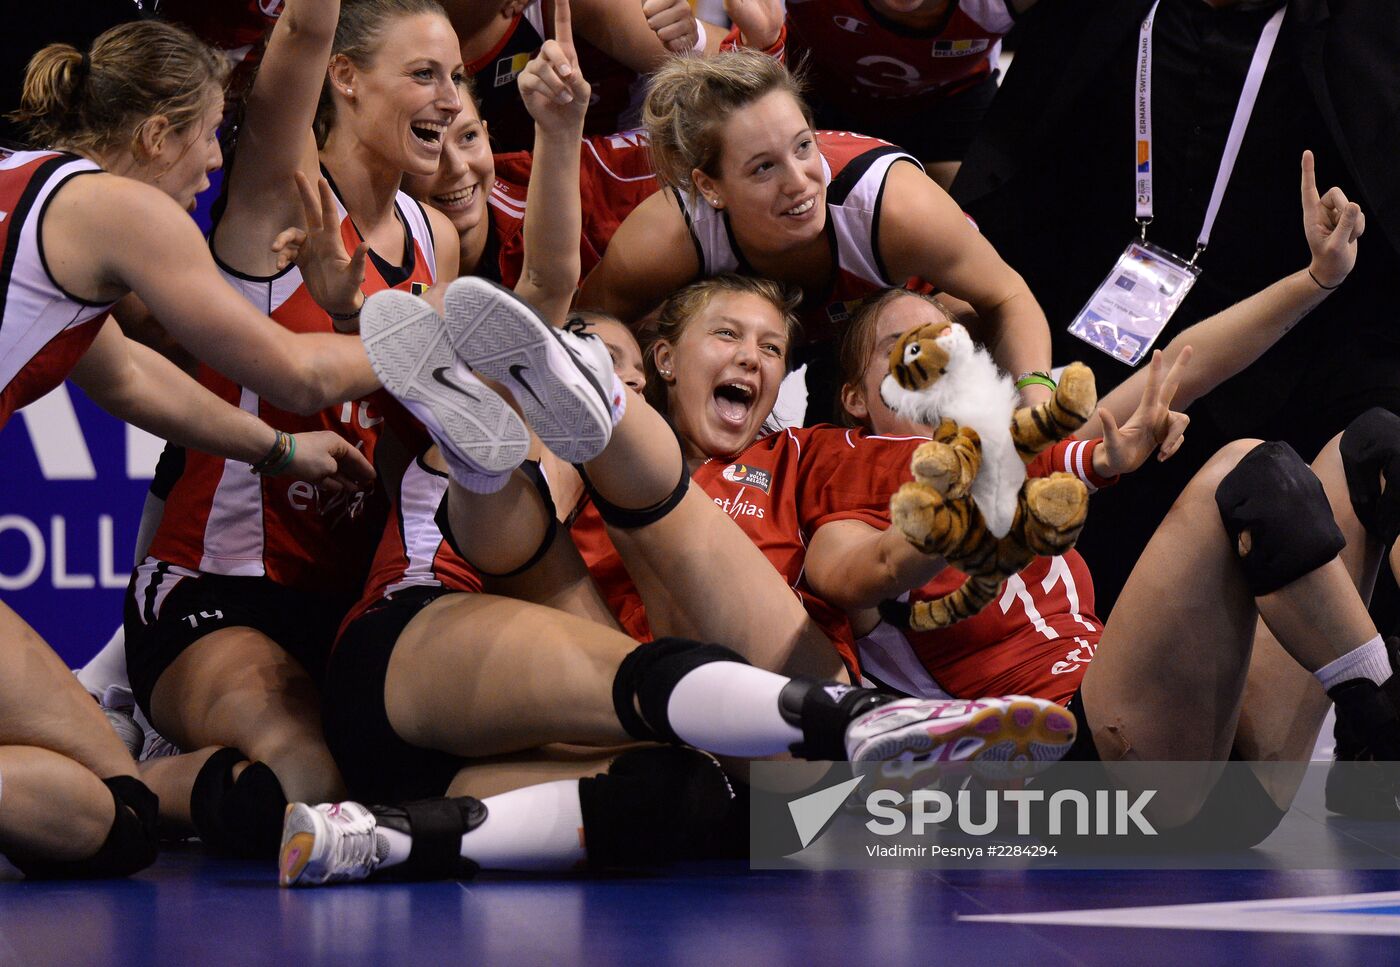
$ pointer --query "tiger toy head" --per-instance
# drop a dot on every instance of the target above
(937, 372)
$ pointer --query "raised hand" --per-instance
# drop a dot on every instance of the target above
(674, 24)
(551, 85)
(332, 277)
(329, 461)
(1154, 425)
(759, 21)
(1332, 225)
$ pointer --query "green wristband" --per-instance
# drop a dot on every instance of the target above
(1037, 378)
(286, 460)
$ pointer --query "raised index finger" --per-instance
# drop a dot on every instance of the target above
(564, 27)
(1310, 198)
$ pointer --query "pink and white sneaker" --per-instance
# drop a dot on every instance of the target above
(1020, 734)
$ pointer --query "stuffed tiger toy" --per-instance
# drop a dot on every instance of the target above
(970, 501)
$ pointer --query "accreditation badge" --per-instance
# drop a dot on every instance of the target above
(1130, 308)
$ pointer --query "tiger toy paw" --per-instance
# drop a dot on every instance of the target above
(914, 511)
(1056, 507)
(949, 467)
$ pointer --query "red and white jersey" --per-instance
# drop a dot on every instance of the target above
(615, 176)
(412, 552)
(872, 64)
(44, 330)
(1036, 639)
(222, 519)
(854, 168)
(779, 491)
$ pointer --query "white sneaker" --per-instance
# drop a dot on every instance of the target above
(563, 379)
(124, 724)
(408, 347)
(329, 843)
(1019, 733)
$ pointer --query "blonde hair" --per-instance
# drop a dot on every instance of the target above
(857, 340)
(358, 34)
(134, 72)
(683, 305)
(691, 98)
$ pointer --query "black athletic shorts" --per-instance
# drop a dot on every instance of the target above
(931, 129)
(169, 608)
(377, 765)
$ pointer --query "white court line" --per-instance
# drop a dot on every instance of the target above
(1293, 915)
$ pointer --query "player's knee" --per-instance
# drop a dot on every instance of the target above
(629, 519)
(131, 844)
(243, 815)
(649, 674)
(1277, 517)
(1370, 452)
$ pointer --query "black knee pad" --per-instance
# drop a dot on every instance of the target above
(631, 519)
(655, 805)
(436, 827)
(649, 674)
(1275, 496)
(242, 817)
(130, 847)
(1371, 450)
(531, 469)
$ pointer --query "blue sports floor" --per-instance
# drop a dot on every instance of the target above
(191, 909)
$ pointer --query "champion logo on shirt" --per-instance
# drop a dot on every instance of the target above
(850, 24)
(740, 473)
(271, 8)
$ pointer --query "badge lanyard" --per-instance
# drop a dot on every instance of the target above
(1132, 306)
(1142, 128)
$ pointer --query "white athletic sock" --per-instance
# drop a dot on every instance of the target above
(107, 667)
(731, 709)
(1369, 661)
(535, 828)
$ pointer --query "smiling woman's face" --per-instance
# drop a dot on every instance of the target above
(725, 369)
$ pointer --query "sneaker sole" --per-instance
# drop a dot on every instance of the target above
(1012, 737)
(298, 845)
(410, 352)
(502, 338)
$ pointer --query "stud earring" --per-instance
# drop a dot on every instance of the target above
(665, 373)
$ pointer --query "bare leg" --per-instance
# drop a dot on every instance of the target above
(238, 688)
(1284, 705)
(477, 675)
(1170, 674)
(52, 807)
(43, 704)
(675, 561)
(171, 778)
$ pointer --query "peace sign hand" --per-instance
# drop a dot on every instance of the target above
(332, 277)
(1154, 425)
(1332, 225)
(551, 85)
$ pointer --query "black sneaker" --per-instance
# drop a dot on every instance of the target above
(1364, 781)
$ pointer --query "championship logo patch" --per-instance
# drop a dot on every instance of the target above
(959, 48)
(508, 68)
(418, 288)
(741, 473)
